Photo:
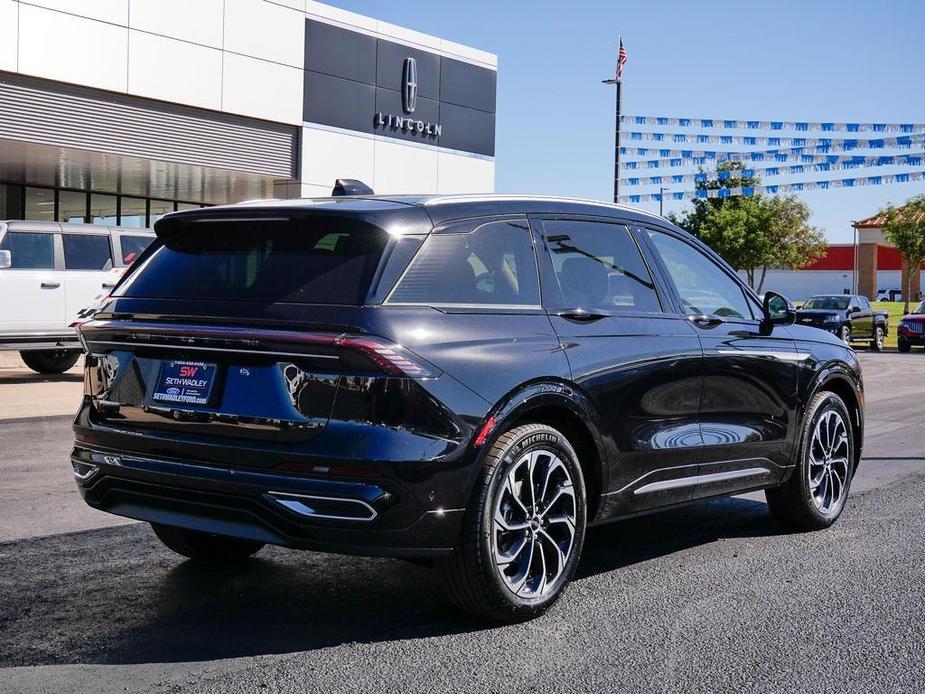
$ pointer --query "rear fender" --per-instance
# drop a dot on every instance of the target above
(537, 401)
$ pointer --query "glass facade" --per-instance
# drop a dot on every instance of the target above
(40, 204)
(72, 206)
(81, 206)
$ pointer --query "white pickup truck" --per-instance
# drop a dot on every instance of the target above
(49, 273)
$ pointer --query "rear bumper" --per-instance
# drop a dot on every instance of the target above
(292, 511)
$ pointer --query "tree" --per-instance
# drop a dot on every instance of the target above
(754, 232)
(904, 227)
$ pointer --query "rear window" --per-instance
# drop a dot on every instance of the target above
(132, 247)
(318, 261)
(87, 252)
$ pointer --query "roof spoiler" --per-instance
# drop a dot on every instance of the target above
(350, 186)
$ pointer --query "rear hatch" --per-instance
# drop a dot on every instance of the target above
(244, 327)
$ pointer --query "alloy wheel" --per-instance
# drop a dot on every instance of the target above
(533, 524)
(829, 464)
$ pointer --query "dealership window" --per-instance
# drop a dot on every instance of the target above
(492, 265)
(134, 213)
(87, 252)
(63, 205)
(40, 204)
(72, 206)
(158, 209)
(10, 202)
(103, 209)
(30, 251)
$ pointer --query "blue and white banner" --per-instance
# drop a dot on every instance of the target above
(900, 141)
(799, 126)
(830, 163)
(673, 158)
(748, 191)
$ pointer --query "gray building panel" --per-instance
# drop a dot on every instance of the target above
(338, 102)
(340, 52)
(391, 58)
(51, 113)
(351, 77)
(467, 129)
(464, 84)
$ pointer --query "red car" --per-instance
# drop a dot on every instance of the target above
(912, 328)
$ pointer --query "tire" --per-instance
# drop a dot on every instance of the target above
(799, 503)
(533, 579)
(844, 334)
(877, 343)
(903, 345)
(52, 361)
(205, 547)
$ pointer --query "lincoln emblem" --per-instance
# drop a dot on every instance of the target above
(409, 86)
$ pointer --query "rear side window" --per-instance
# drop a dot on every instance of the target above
(321, 260)
(492, 265)
(87, 252)
(599, 267)
(132, 247)
(30, 251)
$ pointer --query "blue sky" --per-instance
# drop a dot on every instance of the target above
(814, 60)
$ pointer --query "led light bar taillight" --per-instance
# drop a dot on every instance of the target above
(394, 359)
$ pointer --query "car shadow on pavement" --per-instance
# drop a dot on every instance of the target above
(615, 545)
(116, 596)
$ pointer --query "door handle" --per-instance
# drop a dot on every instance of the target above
(50, 285)
(580, 315)
(705, 321)
(109, 285)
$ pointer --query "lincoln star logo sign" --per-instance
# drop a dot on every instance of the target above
(409, 85)
(405, 124)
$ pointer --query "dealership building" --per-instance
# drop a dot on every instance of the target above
(118, 111)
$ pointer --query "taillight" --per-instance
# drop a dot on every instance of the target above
(394, 359)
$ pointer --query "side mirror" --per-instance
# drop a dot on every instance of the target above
(854, 309)
(6, 260)
(778, 310)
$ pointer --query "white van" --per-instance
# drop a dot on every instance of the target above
(49, 273)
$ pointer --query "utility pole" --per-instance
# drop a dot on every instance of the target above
(618, 81)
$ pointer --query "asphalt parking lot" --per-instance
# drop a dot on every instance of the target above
(711, 598)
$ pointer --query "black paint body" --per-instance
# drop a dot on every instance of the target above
(663, 408)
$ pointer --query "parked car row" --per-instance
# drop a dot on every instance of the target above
(848, 316)
(50, 273)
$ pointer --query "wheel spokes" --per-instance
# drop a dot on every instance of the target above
(828, 466)
(533, 523)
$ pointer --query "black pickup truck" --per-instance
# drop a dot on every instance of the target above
(847, 315)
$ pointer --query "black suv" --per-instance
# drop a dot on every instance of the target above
(472, 380)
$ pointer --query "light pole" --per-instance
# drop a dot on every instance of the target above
(661, 202)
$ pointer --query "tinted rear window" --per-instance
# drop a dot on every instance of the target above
(320, 261)
(87, 252)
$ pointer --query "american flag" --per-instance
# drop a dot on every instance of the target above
(621, 60)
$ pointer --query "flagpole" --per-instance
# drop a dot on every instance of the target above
(616, 151)
(615, 80)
